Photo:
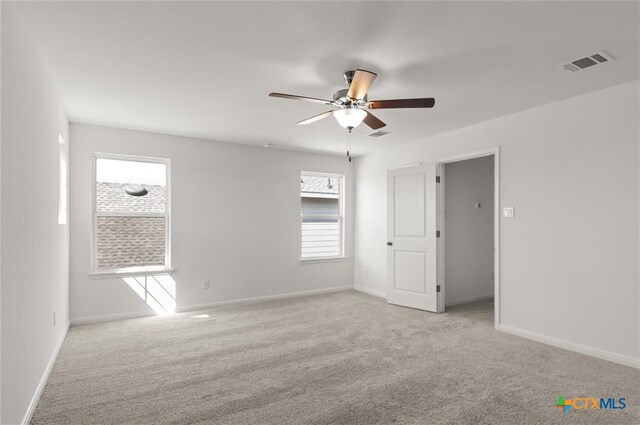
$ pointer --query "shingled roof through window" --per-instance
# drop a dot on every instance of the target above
(319, 184)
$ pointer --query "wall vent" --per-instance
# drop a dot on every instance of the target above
(596, 58)
(379, 133)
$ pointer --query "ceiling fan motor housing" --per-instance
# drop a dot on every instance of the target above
(341, 97)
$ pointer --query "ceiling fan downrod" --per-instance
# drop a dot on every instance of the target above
(348, 76)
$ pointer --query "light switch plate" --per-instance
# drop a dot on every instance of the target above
(508, 212)
(206, 284)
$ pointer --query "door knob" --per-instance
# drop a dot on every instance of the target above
(389, 243)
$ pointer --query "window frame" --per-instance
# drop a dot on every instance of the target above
(341, 219)
(63, 181)
(127, 271)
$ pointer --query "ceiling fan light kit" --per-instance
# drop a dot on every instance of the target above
(349, 118)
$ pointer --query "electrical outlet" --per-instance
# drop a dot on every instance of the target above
(54, 319)
(206, 284)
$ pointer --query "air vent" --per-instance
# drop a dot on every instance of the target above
(379, 133)
(599, 58)
(596, 58)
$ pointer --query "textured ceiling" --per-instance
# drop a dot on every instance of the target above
(205, 69)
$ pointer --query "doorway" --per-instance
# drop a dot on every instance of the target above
(468, 247)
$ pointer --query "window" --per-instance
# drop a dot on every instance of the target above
(62, 181)
(321, 213)
(131, 213)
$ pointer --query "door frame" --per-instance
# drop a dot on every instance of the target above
(495, 151)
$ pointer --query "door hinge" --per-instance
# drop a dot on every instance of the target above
(437, 179)
(437, 288)
(437, 233)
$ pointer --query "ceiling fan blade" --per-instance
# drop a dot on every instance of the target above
(425, 102)
(372, 121)
(305, 98)
(360, 84)
(315, 118)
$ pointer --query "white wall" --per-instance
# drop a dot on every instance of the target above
(468, 232)
(570, 257)
(1, 44)
(35, 249)
(235, 220)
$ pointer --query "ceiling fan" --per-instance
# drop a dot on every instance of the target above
(353, 102)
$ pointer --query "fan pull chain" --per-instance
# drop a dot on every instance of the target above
(349, 144)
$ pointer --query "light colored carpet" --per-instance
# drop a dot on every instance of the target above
(343, 358)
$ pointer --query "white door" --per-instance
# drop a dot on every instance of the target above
(411, 232)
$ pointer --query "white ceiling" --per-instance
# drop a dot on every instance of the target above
(205, 69)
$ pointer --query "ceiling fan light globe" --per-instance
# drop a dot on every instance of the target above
(349, 117)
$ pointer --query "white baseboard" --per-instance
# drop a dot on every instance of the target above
(181, 309)
(110, 317)
(572, 346)
(253, 300)
(370, 291)
(43, 380)
(466, 300)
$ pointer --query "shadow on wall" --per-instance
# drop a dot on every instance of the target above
(159, 292)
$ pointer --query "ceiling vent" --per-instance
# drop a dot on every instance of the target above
(596, 58)
(379, 133)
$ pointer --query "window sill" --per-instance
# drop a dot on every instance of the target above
(130, 273)
(322, 260)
